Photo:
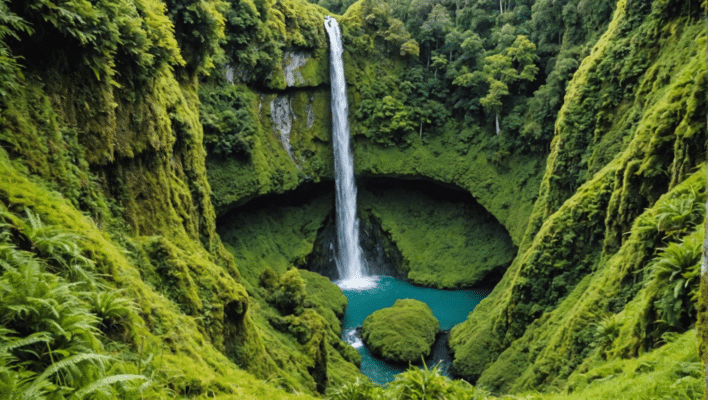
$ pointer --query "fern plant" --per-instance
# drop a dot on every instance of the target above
(461, 389)
(60, 248)
(49, 338)
(607, 329)
(111, 308)
(679, 214)
(360, 389)
(19, 382)
(15, 380)
(677, 268)
(421, 384)
(32, 301)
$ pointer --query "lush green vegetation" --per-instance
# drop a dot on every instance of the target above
(141, 299)
(671, 372)
(588, 251)
(443, 242)
(403, 332)
(120, 140)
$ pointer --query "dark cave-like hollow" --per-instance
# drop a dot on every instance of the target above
(382, 253)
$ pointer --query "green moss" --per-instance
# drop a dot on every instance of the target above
(401, 333)
(446, 153)
(270, 169)
(443, 243)
(274, 235)
(120, 162)
(268, 237)
(327, 298)
(672, 370)
(171, 338)
(507, 192)
(590, 234)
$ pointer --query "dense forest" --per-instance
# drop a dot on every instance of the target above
(166, 194)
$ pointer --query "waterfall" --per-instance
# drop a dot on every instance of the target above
(349, 259)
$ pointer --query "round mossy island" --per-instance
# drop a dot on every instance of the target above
(402, 333)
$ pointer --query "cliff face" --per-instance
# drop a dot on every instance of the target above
(629, 143)
(101, 139)
(292, 146)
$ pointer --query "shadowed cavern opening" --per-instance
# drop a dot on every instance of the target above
(414, 229)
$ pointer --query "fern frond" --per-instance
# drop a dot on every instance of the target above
(35, 222)
(31, 339)
(73, 361)
(103, 382)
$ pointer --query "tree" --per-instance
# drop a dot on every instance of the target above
(437, 24)
(453, 42)
(199, 28)
(500, 73)
(438, 62)
(523, 53)
(472, 47)
(289, 296)
(435, 28)
(399, 39)
(410, 48)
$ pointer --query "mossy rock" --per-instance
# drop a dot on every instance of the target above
(402, 333)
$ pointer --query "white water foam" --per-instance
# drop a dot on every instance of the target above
(354, 340)
(358, 284)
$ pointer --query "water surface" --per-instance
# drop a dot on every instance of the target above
(450, 307)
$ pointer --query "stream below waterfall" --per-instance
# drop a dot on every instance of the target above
(450, 307)
(366, 293)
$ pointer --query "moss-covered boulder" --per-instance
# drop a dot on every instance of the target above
(402, 333)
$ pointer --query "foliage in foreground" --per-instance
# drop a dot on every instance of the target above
(413, 384)
(669, 372)
(50, 323)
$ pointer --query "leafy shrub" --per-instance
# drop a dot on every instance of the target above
(269, 279)
(111, 308)
(290, 294)
(421, 384)
(676, 268)
(228, 121)
(360, 389)
(125, 42)
(677, 215)
(607, 330)
(199, 27)
(10, 27)
(59, 248)
(404, 332)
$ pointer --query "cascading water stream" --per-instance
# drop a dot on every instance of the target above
(349, 258)
(366, 294)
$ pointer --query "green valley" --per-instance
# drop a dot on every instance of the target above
(167, 197)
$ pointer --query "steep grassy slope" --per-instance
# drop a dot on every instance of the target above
(101, 139)
(177, 355)
(629, 136)
(670, 372)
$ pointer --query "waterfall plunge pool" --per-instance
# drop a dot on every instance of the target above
(450, 307)
(366, 294)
